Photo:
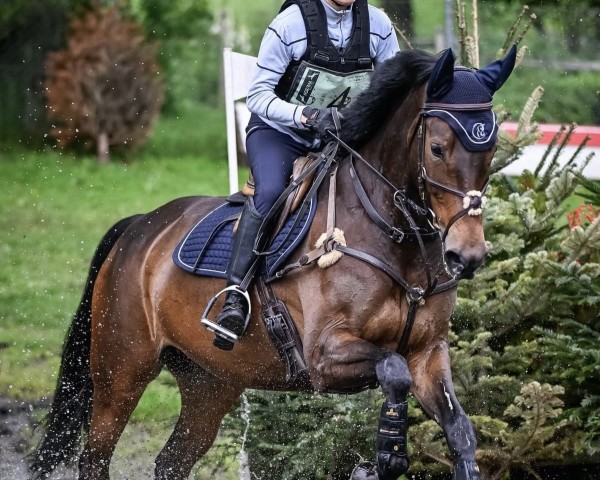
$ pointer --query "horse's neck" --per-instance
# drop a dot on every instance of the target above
(363, 234)
(393, 151)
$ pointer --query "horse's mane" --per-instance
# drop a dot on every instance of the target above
(391, 83)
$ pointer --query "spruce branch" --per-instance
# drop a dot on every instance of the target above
(560, 187)
(521, 54)
(516, 31)
(561, 142)
(581, 242)
(527, 130)
(548, 151)
(510, 147)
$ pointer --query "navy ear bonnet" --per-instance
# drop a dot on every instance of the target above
(463, 98)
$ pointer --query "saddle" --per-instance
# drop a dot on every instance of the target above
(292, 201)
(206, 249)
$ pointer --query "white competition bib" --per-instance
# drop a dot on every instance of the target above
(319, 87)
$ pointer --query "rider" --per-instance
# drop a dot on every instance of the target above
(314, 56)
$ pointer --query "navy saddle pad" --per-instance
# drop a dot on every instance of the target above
(206, 249)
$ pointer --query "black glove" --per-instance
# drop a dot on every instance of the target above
(322, 120)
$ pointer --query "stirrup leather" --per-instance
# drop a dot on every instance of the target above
(217, 329)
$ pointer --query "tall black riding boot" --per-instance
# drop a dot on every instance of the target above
(235, 310)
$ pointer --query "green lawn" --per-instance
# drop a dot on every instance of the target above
(54, 210)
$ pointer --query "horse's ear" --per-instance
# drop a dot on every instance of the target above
(495, 74)
(442, 75)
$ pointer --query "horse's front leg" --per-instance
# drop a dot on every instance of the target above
(434, 390)
(395, 380)
(347, 363)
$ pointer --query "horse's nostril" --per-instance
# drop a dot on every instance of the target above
(454, 262)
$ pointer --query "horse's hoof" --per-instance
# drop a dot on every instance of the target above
(365, 471)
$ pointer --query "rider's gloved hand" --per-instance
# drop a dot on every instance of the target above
(322, 121)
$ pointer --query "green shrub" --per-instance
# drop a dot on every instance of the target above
(569, 96)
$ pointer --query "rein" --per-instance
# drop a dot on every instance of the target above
(405, 205)
(473, 202)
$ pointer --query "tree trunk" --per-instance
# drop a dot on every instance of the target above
(102, 148)
(401, 13)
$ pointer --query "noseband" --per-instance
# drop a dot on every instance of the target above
(473, 201)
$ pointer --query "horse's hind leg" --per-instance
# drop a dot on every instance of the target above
(119, 381)
(435, 392)
(204, 402)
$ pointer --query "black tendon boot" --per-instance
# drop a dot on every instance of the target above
(392, 456)
(234, 311)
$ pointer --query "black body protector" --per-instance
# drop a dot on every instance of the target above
(327, 76)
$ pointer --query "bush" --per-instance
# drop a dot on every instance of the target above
(103, 89)
(569, 96)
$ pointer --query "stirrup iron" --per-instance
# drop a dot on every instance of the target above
(217, 329)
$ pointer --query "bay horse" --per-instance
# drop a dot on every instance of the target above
(408, 196)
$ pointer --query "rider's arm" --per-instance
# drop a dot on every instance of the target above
(284, 40)
(384, 42)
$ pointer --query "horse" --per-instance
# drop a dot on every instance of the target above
(407, 194)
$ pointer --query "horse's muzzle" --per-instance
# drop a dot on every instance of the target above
(462, 266)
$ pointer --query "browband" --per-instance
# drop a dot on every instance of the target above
(457, 107)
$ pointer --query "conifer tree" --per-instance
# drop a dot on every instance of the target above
(529, 320)
(524, 337)
(103, 90)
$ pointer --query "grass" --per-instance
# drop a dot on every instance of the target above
(54, 211)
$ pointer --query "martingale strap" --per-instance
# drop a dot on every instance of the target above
(415, 293)
(396, 234)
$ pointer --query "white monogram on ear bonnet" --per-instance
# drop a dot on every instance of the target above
(478, 131)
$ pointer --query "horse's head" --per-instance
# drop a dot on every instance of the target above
(457, 140)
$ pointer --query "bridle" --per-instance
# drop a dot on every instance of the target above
(473, 201)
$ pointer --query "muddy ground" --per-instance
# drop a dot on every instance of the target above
(17, 438)
(15, 428)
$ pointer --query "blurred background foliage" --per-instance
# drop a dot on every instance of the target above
(190, 34)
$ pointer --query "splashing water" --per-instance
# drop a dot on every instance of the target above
(244, 470)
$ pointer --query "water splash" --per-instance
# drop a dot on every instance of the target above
(244, 470)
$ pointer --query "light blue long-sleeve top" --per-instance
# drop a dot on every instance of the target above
(285, 41)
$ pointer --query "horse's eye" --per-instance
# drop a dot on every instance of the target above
(436, 150)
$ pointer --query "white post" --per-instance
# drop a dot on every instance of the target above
(244, 470)
(230, 118)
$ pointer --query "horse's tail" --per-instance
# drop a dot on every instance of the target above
(72, 404)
